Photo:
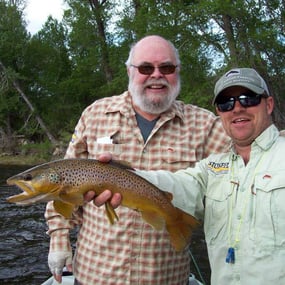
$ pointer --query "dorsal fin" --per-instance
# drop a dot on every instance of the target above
(121, 164)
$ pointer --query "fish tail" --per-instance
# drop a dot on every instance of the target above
(177, 238)
(181, 231)
(189, 220)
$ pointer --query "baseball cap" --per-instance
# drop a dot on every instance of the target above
(246, 77)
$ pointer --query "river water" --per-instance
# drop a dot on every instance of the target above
(24, 242)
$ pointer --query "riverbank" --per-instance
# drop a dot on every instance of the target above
(23, 159)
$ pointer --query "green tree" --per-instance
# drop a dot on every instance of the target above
(13, 39)
(47, 70)
(68, 65)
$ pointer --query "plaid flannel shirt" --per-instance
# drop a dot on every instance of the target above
(131, 251)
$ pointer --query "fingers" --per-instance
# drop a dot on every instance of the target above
(56, 262)
(116, 200)
(58, 277)
(57, 274)
(89, 196)
(105, 157)
(103, 198)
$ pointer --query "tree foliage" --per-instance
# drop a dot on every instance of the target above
(69, 64)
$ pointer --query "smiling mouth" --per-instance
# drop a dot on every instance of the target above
(156, 87)
(240, 120)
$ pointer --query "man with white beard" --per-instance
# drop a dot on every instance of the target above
(149, 128)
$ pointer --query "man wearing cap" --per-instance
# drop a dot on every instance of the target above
(244, 189)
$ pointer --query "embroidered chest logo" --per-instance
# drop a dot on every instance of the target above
(218, 167)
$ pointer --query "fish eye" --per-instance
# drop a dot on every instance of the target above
(28, 177)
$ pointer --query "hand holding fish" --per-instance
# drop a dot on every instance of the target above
(100, 200)
(115, 199)
(66, 181)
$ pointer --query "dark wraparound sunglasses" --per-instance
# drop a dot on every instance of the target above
(250, 99)
(148, 69)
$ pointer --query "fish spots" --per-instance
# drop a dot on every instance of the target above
(54, 177)
(66, 181)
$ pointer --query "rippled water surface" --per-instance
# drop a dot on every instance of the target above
(24, 243)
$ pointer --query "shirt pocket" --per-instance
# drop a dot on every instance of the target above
(109, 141)
(268, 213)
(217, 200)
(178, 155)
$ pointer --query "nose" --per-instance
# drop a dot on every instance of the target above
(238, 106)
(156, 73)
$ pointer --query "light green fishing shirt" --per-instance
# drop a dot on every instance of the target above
(244, 209)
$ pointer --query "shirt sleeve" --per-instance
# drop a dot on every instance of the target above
(187, 187)
(77, 147)
(58, 226)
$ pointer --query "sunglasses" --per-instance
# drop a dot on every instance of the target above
(251, 99)
(148, 69)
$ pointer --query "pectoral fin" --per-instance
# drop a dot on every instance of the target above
(71, 196)
(111, 214)
(64, 209)
(121, 164)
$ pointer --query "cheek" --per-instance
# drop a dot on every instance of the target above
(136, 78)
(265, 114)
(225, 120)
(140, 79)
(172, 79)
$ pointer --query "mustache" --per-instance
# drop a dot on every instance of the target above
(156, 82)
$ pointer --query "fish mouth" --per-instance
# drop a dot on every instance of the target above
(28, 196)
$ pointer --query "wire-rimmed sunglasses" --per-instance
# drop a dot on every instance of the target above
(249, 99)
(148, 69)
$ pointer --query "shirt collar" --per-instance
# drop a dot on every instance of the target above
(265, 140)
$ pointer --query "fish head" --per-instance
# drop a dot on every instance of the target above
(38, 184)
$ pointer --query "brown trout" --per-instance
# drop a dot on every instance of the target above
(66, 181)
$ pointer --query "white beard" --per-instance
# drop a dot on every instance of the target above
(151, 104)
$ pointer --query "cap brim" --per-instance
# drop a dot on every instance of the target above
(251, 87)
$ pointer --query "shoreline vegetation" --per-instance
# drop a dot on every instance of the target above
(23, 159)
(30, 159)
(31, 154)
